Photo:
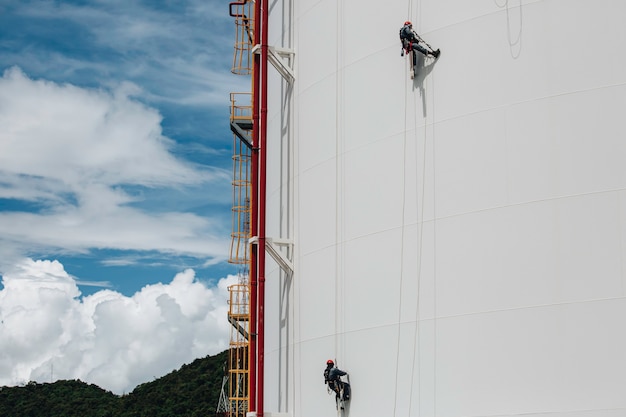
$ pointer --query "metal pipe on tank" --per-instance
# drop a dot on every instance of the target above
(254, 249)
(259, 171)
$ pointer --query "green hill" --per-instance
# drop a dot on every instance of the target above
(191, 391)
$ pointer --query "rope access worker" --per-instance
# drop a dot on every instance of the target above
(411, 41)
(332, 377)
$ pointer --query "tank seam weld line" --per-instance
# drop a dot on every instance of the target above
(466, 213)
(527, 307)
(541, 98)
(555, 413)
(423, 320)
(563, 197)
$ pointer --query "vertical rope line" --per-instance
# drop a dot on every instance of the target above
(434, 263)
(339, 226)
(419, 240)
(402, 225)
(415, 362)
(404, 173)
(342, 164)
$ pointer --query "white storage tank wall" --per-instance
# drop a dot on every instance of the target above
(279, 380)
(458, 238)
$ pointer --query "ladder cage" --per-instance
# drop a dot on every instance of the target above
(242, 157)
(244, 37)
(238, 366)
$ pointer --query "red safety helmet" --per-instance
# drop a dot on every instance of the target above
(330, 362)
(407, 23)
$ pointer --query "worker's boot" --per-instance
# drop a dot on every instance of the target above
(436, 53)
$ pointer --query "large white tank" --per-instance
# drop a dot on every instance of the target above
(459, 240)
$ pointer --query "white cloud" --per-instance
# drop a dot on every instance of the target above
(107, 339)
(77, 136)
(181, 54)
(84, 169)
(71, 152)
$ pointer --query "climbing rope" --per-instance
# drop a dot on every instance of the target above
(517, 42)
(404, 155)
(420, 184)
(339, 184)
(419, 228)
(420, 191)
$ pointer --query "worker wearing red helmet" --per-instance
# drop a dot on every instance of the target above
(332, 377)
(411, 41)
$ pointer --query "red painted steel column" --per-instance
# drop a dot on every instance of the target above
(262, 207)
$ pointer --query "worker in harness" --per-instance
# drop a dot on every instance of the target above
(332, 377)
(411, 42)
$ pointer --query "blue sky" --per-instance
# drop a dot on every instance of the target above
(115, 169)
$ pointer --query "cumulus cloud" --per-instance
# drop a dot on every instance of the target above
(77, 157)
(88, 170)
(75, 136)
(116, 342)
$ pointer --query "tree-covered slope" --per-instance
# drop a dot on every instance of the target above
(191, 391)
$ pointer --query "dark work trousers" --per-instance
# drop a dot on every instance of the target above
(417, 47)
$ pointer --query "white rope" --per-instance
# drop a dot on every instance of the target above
(339, 183)
(402, 226)
(517, 42)
(420, 193)
(404, 154)
(337, 224)
(418, 258)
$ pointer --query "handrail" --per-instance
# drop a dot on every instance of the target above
(236, 3)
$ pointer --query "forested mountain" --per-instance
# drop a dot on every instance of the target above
(191, 391)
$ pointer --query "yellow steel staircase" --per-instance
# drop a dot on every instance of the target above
(241, 125)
